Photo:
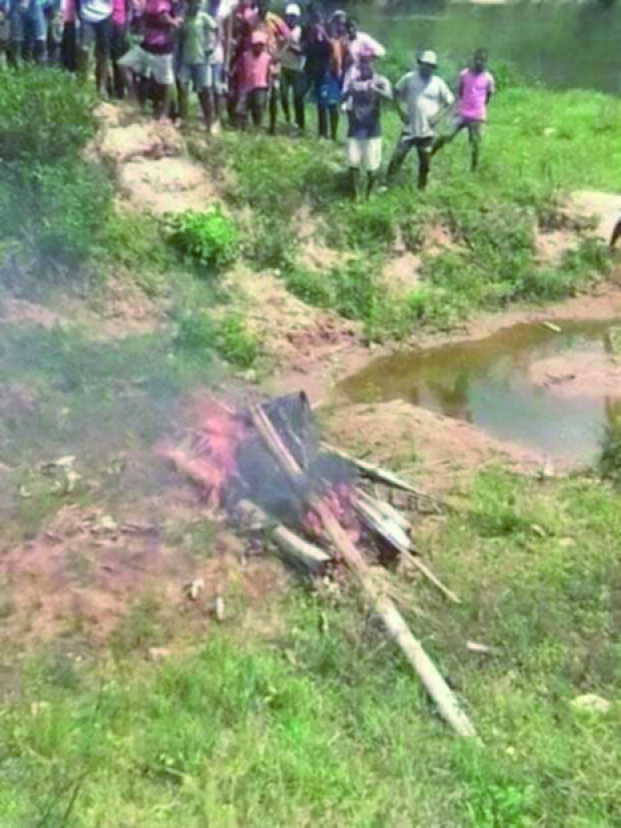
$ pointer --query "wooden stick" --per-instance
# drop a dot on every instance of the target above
(419, 564)
(294, 548)
(392, 533)
(385, 608)
(383, 475)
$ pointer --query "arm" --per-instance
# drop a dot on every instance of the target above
(491, 88)
(397, 99)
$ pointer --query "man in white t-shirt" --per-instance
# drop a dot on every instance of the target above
(426, 98)
(95, 18)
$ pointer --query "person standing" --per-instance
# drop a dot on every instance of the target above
(355, 43)
(255, 71)
(118, 44)
(198, 40)
(320, 79)
(363, 95)
(95, 19)
(475, 89)
(152, 60)
(292, 74)
(427, 98)
(276, 32)
(28, 31)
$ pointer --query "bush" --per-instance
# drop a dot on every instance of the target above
(610, 455)
(208, 238)
(55, 211)
(199, 335)
(45, 116)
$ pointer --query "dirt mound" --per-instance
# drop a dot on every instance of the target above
(18, 311)
(427, 447)
(606, 207)
(589, 376)
(152, 165)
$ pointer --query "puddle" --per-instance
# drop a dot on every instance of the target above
(552, 392)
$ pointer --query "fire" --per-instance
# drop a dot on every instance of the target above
(209, 457)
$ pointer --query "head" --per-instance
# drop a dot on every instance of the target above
(479, 60)
(258, 43)
(192, 7)
(365, 64)
(292, 15)
(314, 14)
(338, 23)
(352, 28)
(263, 7)
(427, 63)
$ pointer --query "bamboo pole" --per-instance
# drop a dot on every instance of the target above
(385, 608)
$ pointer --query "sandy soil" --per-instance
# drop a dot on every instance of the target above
(586, 376)
(153, 168)
(437, 452)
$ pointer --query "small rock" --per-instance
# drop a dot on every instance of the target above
(538, 530)
(566, 543)
(218, 608)
(475, 647)
(158, 653)
(591, 703)
(194, 588)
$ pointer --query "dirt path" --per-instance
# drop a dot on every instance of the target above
(153, 168)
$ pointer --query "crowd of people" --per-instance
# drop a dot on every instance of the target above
(244, 62)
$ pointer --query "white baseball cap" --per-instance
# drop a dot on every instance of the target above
(429, 57)
(293, 10)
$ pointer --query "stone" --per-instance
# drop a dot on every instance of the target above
(591, 703)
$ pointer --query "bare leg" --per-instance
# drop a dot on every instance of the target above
(424, 162)
(204, 96)
(398, 157)
(334, 122)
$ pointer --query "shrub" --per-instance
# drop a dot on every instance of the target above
(209, 238)
(55, 211)
(45, 116)
(610, 454)
(199, 335)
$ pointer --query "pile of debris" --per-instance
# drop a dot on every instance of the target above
(266, 467)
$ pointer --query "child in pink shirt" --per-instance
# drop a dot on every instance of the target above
(476, 87)
(255, 77)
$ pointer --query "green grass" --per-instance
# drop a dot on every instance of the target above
(320, 721)
(540, 145)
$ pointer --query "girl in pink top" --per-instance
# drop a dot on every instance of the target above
(476, 87)
(254, 74)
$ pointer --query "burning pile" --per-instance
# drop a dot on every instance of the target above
(266, 465)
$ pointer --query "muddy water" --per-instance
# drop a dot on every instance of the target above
(488, 383)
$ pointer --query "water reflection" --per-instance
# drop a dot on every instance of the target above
(487, 383)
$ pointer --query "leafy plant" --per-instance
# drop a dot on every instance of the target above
(209, 238)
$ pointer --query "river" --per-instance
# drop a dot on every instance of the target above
(560, 45)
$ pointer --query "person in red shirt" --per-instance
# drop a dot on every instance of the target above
(254, 72)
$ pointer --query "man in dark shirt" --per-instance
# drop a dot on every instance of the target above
(362, 100)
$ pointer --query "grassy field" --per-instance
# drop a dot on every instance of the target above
(314, 720)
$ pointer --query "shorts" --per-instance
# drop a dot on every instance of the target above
(28, 23)
(215, 78)
(195, 74)
(365, 153)
(118, 41)
(252, 100)
(99, 33)
(147, 65)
